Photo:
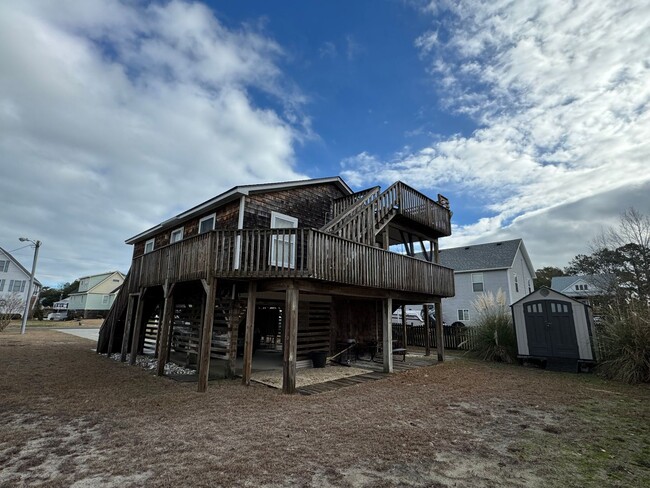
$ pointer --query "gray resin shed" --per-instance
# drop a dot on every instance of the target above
(553, 328)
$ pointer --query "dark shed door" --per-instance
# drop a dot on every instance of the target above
(550, 329)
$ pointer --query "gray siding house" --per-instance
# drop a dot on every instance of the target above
(481, 268)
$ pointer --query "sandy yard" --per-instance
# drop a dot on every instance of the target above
(69, 417)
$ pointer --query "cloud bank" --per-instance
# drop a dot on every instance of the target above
(114, 116)
(560, 95)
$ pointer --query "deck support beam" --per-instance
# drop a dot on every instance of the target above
(290, 342)
(440, 344)
(137, 327)
(248, 340)
(234, 334)
(165, 327)
(128, 324)
(387, 333)
(404, 332)
(210, 286)
(427, 331)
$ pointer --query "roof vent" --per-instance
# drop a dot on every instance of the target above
(467, 248)
(499, 243)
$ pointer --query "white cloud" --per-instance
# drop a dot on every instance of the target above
(560, 93)
(114, 116)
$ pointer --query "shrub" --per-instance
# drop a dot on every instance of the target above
(9, 308)
(624, 338)
(494, 336)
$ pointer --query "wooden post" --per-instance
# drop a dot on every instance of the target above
(290, 342)
(387, 331)
(248, 340)
(234, 334)
(404, 334)
(210, 286)
(439, 332)
(137, 329)
(128, 321)
(436, 252)
(111, 337)
(165, 327)
(427, 331)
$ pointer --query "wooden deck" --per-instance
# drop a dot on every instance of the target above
(289, 253)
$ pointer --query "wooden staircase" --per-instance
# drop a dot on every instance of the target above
(362, 216)
(115, 314)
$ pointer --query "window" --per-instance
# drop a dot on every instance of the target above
(529, 287)
(463, 314)
(2, 285)
(148, 246)
(283, 243)
(477, 282)
(206, 224)
(16, 286)
(581, 287)
(105, 299)
(176, 236)
(4, 266)
(516, 284)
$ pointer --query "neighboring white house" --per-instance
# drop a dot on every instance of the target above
(14, 284)
(96, 294)
(481, 268)
(583, 287)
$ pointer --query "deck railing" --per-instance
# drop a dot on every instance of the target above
(290, 253)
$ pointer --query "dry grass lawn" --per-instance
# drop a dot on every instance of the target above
(69, 417)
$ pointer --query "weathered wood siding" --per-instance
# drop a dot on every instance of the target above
(227, 218)
(311, 205)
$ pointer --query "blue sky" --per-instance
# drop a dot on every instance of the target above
(530, 116)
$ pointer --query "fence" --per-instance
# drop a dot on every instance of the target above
(453, 337)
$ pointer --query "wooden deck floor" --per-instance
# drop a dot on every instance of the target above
(377, 373)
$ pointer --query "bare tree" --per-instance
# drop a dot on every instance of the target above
(620, 258)
(10, 306)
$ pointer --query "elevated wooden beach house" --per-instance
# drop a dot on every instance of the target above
(305, 266)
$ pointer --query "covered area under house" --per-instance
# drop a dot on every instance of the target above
(232, 300)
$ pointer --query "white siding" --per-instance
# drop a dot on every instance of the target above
(14, 273)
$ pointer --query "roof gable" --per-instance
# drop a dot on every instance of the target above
(567, 284)
(18, 265)
(545, 293)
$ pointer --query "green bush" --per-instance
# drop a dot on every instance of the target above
(493, 339)
(624, 338)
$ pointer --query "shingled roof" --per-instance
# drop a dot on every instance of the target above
(493, 255)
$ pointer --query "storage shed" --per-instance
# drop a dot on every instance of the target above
(554, 329)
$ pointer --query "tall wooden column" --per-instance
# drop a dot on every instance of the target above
(427, 331)
(290, 342)
(404, 332)
(387, 333)
(210, 287)
(248, 340)
(137, 328)
(440, 344)
(165, 328)
(128, 324)
(234, 334)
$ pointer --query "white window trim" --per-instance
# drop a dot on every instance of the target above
(482, 282)
(465, 314)
(208, 217)
(516, 283)
(171, 236)
(153, 245)
(283, 261)
(106, 299)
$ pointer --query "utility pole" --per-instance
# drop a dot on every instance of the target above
(37, 244)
